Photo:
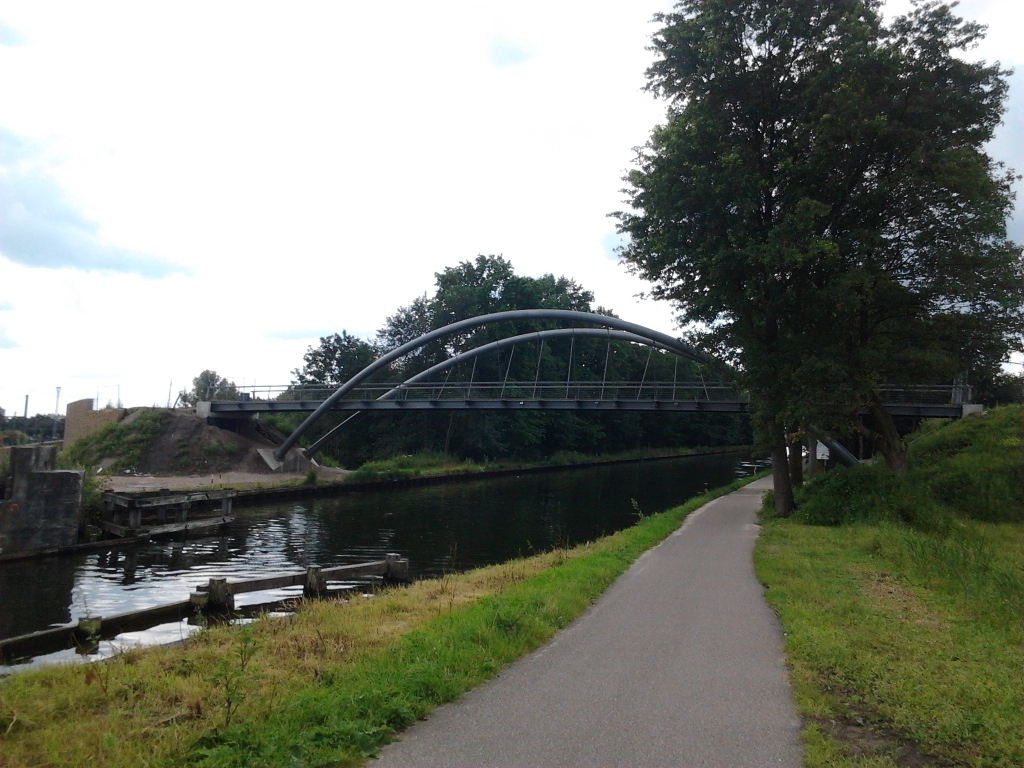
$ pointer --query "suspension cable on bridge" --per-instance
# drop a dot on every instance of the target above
(572, 350)
(536, 377)
(607, 353)
(511, 355)
(644, 377)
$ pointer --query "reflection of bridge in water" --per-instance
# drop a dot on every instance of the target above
(686, 396)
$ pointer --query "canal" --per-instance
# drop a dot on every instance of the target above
(452, 526)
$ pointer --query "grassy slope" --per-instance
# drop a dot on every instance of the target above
(125, 444)
(328, 686)
(904, 618)
(426, 464)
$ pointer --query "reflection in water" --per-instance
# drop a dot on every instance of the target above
(34, 594)
(442, 527)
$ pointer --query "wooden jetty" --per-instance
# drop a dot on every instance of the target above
(162, 512)
(216, 597)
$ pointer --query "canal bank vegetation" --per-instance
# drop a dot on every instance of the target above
(902, 599)
(428, 463)
(327, 686)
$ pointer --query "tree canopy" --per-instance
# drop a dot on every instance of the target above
(209, 385)
(819, 203)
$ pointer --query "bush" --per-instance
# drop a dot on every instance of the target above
(973, 468)
(867, 494)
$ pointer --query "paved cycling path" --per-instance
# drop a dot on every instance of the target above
(678, 664)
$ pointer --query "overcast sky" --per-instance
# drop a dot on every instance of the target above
(216, 185)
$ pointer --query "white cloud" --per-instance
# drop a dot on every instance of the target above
(42, 227)
(506, 53)
(9, 36)
(311, 166)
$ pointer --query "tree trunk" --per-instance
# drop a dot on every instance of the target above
(796, 463)
(813, 467)
(887, 437)
(780, 472)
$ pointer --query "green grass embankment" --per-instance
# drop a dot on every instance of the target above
(902, 599)
(326, 687)
(432, 464)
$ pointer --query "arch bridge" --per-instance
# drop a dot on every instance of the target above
(425, 392)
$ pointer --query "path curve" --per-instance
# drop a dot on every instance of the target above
(679, 663)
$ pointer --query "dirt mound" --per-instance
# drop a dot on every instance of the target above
(187, 445)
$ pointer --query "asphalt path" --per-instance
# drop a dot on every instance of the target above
(679, 663)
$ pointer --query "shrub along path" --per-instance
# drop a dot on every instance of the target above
(679, 663)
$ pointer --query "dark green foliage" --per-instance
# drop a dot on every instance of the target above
(18, 430)
(820, 199)
(973, 468)
(208, 386)
(335, 361)
(870, 494)
(486, 285)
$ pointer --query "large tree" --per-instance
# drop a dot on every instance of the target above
(209, 385)
(820, 206)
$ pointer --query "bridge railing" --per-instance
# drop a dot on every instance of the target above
(504, 390)
(574, 390)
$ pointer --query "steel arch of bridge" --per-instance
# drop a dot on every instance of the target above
(616, 329)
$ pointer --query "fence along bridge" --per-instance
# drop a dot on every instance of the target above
(687, 396)
(424, 392)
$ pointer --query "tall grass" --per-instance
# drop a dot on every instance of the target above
(902, 597)
(971, 469)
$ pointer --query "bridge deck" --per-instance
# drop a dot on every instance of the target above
(711, 397)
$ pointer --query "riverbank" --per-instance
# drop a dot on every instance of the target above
(329, 685)
(400, 472)
(902, 600)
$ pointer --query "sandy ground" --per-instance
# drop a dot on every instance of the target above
(237, 480)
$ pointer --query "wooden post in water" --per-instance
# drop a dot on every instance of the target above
(221, 597)
(199, 600)
(315, 584)
(398, 567)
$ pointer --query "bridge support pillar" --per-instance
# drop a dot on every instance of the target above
(294, 461)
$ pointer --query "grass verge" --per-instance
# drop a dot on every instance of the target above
(327, 686)
(427, 464)
(903, 605)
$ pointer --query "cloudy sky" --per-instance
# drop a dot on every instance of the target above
(216, 185)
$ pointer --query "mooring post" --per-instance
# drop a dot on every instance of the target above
(221, 598)
(198, 600)
(315, 584)
(397, 567)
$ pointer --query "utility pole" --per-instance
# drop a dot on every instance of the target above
(56, 415)
(26, 406)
